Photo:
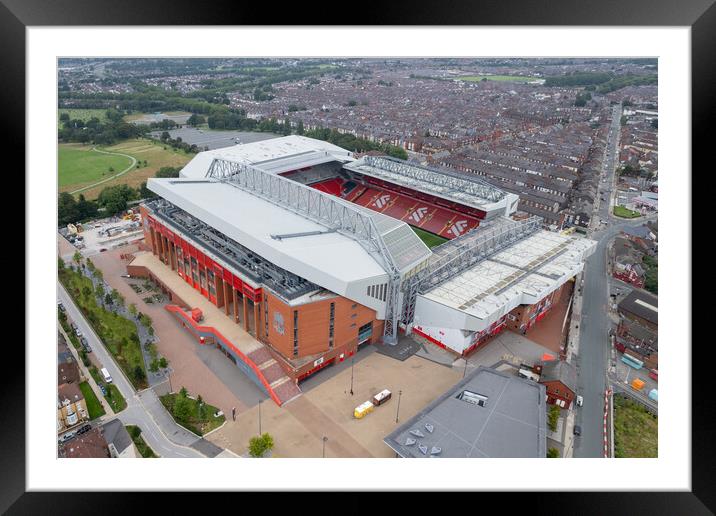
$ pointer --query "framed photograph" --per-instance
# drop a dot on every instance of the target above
(336, 248)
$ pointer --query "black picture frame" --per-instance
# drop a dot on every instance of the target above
(700, 15)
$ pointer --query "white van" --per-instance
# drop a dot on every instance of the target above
(107, 377)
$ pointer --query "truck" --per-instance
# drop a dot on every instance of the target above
(381, 397)
(106, 375)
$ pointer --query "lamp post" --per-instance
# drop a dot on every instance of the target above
(397, 413)
(324, 446)
(353, 359)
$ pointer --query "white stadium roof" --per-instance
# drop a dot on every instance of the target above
(460, 188)
(276, 155)
(524, 273)
(330, 260)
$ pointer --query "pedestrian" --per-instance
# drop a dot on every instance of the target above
(233, 413)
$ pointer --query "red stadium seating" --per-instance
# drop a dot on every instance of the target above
(332, 186)
(437, 216)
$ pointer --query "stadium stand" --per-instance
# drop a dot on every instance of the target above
(437, 216)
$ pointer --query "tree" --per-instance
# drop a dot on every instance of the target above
(64, 117)
(154, 366)
(97, 273)
(90, 265)
(299, 128)
(107, 299)
(553, 417)
(163, 363)
(139, 374)
(114, 198)
(260, 445)
(60, 264)
(182, 408)
(77, 257)
(132, 309)
(553, 453)
(195, 120)
(99, 290)
(183, 392)
(86, 292)
(67, 211)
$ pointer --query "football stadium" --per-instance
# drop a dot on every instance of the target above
(302, 253)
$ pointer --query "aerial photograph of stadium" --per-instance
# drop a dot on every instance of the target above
(357, 257)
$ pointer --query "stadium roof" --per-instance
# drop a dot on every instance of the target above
(276, 155)
(324, 255)
(309, 249)
(449, 185)
(510, 421)
(525, 272)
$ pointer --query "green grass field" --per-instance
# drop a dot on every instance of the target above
(82, 114)
(94, 407)
(636, 431)
(621, 211)
(429, 239)
(118, 334)
(500, 78)
(79, 164)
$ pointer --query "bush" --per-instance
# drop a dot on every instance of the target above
(553, 453)
(553, 417)
(259, 446)
(163, 362)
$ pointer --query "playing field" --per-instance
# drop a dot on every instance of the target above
(155, 154)
(429, 239)
(80, 164)
(501, 78)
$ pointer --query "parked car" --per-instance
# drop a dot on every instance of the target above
(85, 345)
(60, 306)
(78, 332)
(103, 250)
(103, 389)
(67, 437)
(83, 429)
(577, 430)
(580, 401)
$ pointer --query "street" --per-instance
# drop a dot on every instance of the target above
(143, 409)
(592, 362)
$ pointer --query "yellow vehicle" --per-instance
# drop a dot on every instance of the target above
(363, 409)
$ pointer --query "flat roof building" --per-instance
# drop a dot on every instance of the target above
(487, 414)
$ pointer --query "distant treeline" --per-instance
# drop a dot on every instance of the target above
(601, 82)
(112, 200)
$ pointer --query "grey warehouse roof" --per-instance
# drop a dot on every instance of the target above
(512, 422)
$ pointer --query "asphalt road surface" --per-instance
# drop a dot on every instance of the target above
(594, 343)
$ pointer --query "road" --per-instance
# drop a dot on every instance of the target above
(143, 409)
(592, 361)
